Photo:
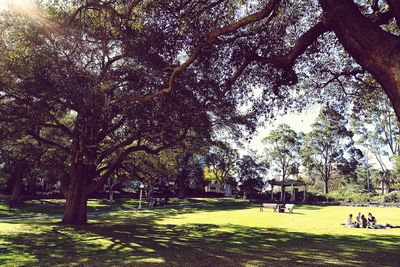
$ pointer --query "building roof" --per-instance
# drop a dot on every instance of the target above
(287, 182)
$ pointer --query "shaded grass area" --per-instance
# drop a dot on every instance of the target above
(213, 233)
(50, 207)
(56, 207)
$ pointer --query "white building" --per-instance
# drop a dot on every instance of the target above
(227, 189)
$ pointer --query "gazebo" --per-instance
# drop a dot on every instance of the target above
(286, 183)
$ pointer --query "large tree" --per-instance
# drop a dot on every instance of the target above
(66, 98)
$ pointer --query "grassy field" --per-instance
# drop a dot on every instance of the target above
(56, 207)
(207, 233)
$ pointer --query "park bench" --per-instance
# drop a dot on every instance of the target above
(277, 207)
(268, 205)
(289, 207)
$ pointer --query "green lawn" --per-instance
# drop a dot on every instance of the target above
(56, 207)
(209, 233)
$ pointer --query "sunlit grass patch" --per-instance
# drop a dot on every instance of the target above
(214, 233)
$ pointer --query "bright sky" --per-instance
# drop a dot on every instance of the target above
(5, 3)
(300, 122)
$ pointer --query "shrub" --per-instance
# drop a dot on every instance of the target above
(378, 199)
(351, 194)
(336, 196)
(393, 196)
(316, 196)
(358, 197)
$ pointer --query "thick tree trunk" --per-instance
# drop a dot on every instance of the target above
(76, 207)
(17, 188)
(373, 48)
(181, 184)
(77, 197)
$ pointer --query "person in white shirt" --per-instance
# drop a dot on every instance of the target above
(349, 222)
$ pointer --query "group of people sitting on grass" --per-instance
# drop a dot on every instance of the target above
(363, 222)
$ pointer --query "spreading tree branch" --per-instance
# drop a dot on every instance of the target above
(37, 137)
(212, 38)
(395, 9)
(123, 155)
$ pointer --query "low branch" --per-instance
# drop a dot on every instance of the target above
(123, 155)
(395, 9)
(236, 76)
(383, 18)
(113, 149)
(287, 61)
(375, 6)
(58, 125)
(104, 133)
(302, 43)
(38, 138)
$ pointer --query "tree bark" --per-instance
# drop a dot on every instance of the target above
(76, 205)
(111, 196)
(181, 179)
(374, 49)
(326, 190)
(282, 192)
(283, 186)
(17, 188)
(77, 196)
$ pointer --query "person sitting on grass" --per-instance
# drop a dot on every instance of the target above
(349, 222)
(364, 222)
(371, 221)
(358, 219)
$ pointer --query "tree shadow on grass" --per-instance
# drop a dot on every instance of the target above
(141, 241)
(43, 207)
(205, 206)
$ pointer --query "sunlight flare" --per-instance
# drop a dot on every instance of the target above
(16, 4)
(28, 9)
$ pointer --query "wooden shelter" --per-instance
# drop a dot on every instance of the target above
(293, 184)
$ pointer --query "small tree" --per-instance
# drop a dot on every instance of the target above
(250, 172)
(283, 147)
(221, 161)
(329, 147)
